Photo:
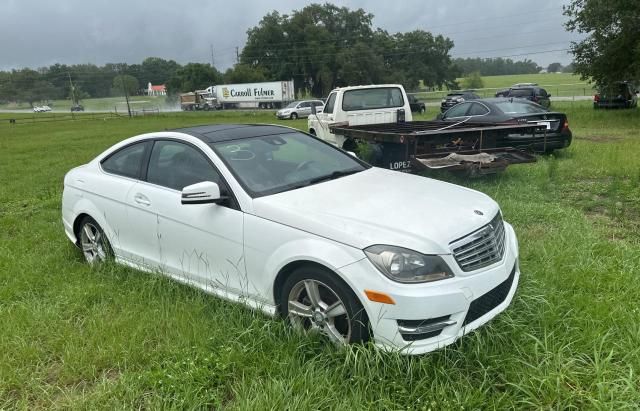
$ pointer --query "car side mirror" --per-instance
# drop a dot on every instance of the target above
(313, 109)
(206, 192)
(549, 95)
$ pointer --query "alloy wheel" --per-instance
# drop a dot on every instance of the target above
(92, 243)
(314, 306)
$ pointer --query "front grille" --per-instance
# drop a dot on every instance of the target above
(482, 247)
(487, 302)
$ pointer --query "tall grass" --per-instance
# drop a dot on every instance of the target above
(113, 338)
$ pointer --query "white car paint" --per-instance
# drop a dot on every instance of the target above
(237, 253)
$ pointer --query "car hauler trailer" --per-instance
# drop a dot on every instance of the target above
(375, 122)
(429, 145)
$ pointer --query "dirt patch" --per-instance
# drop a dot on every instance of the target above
(600, 139)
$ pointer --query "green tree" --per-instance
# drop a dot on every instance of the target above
(243, 73)
(156, 70)
(611, 49)
(473, 81)
(324, 46)
(125, 83)
(554, 68)
(569, 68)
(193, 76)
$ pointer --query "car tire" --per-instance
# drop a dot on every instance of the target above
(293, 116)
(93, 242)
(423, 110)
(315, 299)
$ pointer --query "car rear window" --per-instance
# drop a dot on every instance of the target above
(524, 92)
(372, 98)
(519, 107)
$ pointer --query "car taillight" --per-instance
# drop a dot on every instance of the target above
(596, 97)
(565, 126)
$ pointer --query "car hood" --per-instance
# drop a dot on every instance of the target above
(379, 206)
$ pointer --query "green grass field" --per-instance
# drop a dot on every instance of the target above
(115, 338)
(98, 104)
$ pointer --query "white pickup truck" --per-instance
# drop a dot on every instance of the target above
(359, 105)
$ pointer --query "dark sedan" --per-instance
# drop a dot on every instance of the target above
(554, 132)
(457, 97)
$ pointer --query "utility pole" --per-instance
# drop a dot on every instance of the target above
(124, 88)
(73, 90)
(212, 61)
(237, 56)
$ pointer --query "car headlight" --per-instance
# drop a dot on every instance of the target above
(407, 266)
(444, 100)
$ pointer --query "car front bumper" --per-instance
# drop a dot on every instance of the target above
(448, 308)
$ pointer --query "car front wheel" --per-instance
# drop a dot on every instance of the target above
(314, 300)
(93, 242)
(294, 116)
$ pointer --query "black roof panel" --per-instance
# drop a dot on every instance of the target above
(214, 133)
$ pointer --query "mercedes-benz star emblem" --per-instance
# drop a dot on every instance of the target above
(478, 212)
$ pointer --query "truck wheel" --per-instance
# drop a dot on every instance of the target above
(294, 116)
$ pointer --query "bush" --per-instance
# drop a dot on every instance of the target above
(473, 80)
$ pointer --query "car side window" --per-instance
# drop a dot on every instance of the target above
(459, 110)
(542, 92)
(331, 101)
(127, 161)
(176, 165)
(477, 109)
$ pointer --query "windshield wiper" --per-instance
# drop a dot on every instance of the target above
(332, 176)
(316, 180)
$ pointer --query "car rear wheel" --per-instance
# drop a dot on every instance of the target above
(422, 110)
(93, 242)
(294, 116)
(314, 300)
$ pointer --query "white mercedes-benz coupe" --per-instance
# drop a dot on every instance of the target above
(286, 223)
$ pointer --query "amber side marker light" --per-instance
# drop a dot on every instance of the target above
(379, 297)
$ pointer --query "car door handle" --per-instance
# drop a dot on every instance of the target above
(141, 199)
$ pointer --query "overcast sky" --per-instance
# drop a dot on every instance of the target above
(36, 33)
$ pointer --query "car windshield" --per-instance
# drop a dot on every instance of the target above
(519, 107)
(293, 104)
(276, 163)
